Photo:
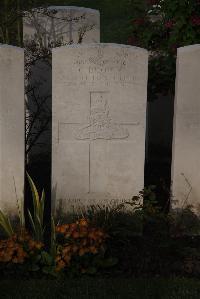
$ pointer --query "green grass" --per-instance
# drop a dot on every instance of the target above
(98, 288)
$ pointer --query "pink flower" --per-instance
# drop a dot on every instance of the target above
(169, 24)
(195, 20)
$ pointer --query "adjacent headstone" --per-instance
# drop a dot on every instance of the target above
(11, 128)
(44, 28)
(98, 117)
(186, 139)
(62, 24)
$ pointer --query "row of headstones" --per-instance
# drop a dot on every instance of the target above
(99, 94)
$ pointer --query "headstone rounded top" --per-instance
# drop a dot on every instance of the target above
(99, 119)
(102, 45)
(189, 48)
(6, 46)
(73, 8)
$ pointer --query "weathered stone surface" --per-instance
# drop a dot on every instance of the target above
(186, 139)
(11, 128)
(99, 115)
(65, 24)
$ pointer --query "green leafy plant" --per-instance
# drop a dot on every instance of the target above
(43, 262)
(145, 200)
(5, 224)
(81, 248)
(37, 217)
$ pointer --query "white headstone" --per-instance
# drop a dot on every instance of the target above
(186, 139)
(99, 115)
(11, 128)
(65, 24)
(49, 27)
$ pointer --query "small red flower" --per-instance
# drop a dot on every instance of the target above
(169, 24)
(195, 20)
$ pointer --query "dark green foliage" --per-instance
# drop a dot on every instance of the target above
(143, 241)
(99, 288)
(169, 244)
(162, 27)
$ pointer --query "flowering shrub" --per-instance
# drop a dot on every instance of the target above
(19, 249)
(161, 27)
(77, 246)
(83, 247)
(77, 240)
(169, 22)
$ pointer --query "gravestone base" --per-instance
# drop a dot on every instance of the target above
(79, 206)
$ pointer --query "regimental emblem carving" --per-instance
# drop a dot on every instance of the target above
(101, 125)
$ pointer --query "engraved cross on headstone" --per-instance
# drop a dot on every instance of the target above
(100, 125)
